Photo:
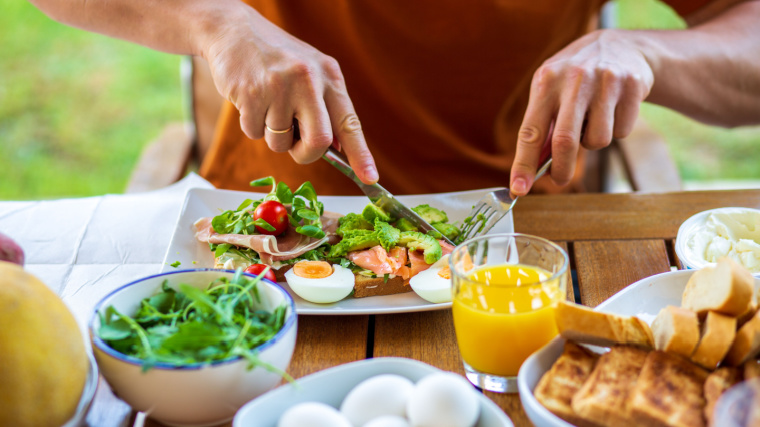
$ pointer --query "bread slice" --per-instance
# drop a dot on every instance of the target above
(716, 383)
(718, 332)
(744, 318)
(751, 369)
(746, 343)
(676, 330)
(603, 398)
(557, 387)
(725, 287)
(584, 325)
(668, 392)
(366, 286)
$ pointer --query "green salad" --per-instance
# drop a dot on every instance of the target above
(191, 325)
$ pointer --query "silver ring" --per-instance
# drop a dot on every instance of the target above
(278, 131)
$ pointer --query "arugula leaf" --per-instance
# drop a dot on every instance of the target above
(261, 182)
(283, 193)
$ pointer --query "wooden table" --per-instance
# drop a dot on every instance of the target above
(613, 240)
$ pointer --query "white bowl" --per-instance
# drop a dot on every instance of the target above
(331, 385)
(88, 393)
(198, 394)
(691, 226)
(644, 299)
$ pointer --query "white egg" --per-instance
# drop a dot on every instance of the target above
(443, 400)
(332, 288)
(388, 421)
(430, 286)
(313, 414)
(377, 396)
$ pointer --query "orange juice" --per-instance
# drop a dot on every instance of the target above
(502, 314)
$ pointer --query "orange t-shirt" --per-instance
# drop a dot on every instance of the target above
(440, 87)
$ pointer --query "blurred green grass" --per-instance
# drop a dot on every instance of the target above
(76, 108)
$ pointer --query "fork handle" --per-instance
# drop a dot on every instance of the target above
(544, 159)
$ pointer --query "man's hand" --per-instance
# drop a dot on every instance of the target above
(273, 79)
(590, 91)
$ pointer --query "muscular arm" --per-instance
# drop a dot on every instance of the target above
(271, 77)
(591, 90)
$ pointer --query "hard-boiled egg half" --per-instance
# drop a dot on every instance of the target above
(320, 282)
(434, 284)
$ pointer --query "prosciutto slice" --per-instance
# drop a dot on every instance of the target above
(271, 249)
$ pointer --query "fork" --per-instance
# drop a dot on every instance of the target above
(493, 206)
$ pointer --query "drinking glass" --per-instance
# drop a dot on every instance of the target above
(504, 289)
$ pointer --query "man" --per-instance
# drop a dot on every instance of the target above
(440, 95)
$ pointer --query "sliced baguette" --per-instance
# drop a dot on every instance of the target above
(718, 332)
(717, 383)
(584, 325)
(725, 287)
(676, 330)
(668, 392)
(365, 286)
(557, 387)
(603, 398)
(746, 343)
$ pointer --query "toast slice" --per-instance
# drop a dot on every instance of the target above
(365, 286)
(557, 387)
(725, 287)
(751, 369)
(718, 332)
(746, 343)
(603, 398)
(668, 392)
(676, 330)
(717, 383)
(584, 325)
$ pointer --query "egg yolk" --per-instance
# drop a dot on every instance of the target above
(312, 269)
(445, 272)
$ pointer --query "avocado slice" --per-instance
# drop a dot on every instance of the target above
(414, 240)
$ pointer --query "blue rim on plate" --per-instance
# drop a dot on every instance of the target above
(101, 345)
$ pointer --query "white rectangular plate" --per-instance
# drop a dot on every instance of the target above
(201, 202)
(643, 299)
(331, 385)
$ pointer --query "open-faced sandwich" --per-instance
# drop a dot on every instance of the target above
(325, 256)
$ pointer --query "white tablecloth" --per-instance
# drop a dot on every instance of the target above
(85, 248)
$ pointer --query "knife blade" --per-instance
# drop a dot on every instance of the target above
(379, 196)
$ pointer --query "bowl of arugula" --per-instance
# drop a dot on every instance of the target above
(191, 347)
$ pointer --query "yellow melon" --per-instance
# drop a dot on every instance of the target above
(43, 361)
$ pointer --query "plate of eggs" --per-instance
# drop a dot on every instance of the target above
(379, 392)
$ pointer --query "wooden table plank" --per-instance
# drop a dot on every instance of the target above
(425, 336)
(574, 217)
(606, 267)
(327, 341)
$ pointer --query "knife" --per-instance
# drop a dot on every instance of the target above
(379, 196)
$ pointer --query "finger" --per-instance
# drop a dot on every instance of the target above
(315, 132)
(252, 114)
(626, 112)
(278, 130)
(349, 135)
(597, 133)
(566, 141)
(530, 139)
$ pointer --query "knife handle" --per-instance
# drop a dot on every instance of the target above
(334, 158)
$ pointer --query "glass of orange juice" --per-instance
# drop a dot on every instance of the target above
(504, 289)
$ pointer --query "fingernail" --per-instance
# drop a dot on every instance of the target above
(519, 186)
(370, 174)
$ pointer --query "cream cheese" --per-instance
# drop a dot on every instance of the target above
(733, 233)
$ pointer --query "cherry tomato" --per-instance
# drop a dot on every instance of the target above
(275, 214)
(258, 268)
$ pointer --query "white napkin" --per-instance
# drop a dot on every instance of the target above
(85, 248)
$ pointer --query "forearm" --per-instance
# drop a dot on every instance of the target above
(180, 27)
(710, 72)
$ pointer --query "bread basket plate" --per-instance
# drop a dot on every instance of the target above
(202, 202)
(331, 386)
(644, 299)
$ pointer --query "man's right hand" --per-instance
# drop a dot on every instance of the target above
(273, 79)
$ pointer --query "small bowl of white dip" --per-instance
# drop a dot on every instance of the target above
(732, 232)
